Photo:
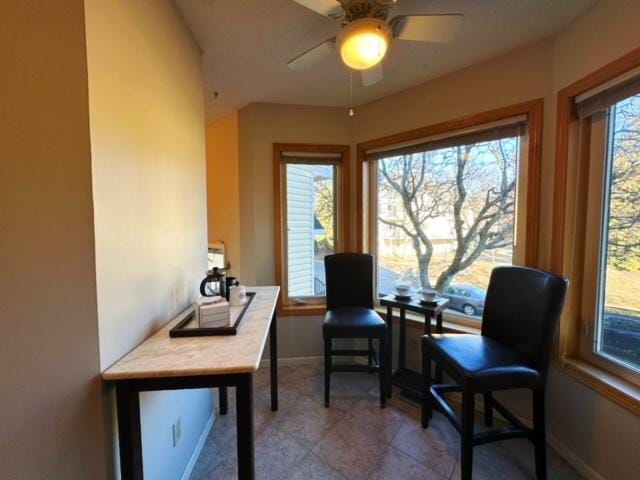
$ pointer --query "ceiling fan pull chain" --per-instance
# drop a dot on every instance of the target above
(351, 113)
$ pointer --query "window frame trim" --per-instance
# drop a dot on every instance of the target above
(599, 165)
(567, 353)
(532, 110)
(315, 305)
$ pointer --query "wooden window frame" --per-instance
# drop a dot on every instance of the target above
(286, 306)
(568, 258)
(533, 110)
(597, 160)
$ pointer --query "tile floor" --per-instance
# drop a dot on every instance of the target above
(354, 439)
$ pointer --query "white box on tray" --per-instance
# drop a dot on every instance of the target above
(213, 312)
(217, 324)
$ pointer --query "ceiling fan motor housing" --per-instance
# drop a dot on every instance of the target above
(356, 9)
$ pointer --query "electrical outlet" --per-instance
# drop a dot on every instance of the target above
(176, 430)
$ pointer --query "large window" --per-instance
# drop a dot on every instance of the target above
(612, 260)
(446, 209)
(309, 183)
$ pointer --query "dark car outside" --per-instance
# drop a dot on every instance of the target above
(467, 299)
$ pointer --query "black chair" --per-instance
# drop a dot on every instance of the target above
(350, 314)
(519, 325)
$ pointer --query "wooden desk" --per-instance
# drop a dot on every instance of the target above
(409, 380)
(164, 363)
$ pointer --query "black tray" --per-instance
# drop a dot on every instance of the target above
(180, 329)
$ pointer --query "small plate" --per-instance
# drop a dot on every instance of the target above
(402, 297)
(429, 302)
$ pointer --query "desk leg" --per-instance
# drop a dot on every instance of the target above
(427, 324)
(402, 339)
(223, 400)
(389, 350)
(244, 422)
(439, 330)
(273, 361)
(129, 431)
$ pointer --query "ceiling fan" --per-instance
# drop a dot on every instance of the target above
(367, 32)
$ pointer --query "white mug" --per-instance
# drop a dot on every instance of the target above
(237, 295)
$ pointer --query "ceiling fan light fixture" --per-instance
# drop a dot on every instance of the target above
(363, 43)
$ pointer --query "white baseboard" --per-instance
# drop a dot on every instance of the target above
(572, 459)
(196, 451)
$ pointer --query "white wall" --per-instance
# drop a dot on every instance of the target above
(148, 159)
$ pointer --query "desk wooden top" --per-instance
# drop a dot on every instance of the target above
(416, 305)
(163, 356)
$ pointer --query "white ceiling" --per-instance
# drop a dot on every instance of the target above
(247, 44)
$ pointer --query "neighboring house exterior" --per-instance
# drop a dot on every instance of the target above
(301, 226)
(393, 241)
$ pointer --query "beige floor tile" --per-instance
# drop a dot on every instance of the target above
(349, 450)
(312, 467)
(307, 422)
(435, 447)
(396, 465)
(209, 459)
(276, 453)
(492, 462)
(350, 439)
(382, 423)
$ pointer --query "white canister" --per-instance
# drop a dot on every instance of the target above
(237, 295)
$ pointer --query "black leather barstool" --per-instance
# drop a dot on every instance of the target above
(519, 325)
(350, 314)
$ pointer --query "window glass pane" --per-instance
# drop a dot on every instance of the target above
(446, 218)
(619, 313)
(310, 226)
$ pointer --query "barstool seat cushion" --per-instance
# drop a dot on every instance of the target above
(353, 322)
(480, 362)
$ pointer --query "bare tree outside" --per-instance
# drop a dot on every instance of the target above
(465, 193)
(324, 202)
(624, 210)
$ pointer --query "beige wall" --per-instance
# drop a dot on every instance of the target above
(51, 419)
(223, 192)
(147, 141)
(149, 173)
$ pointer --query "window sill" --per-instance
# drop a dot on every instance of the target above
(302, 310)
(417, 322)
(606, 384)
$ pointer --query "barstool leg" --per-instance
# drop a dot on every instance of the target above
(327, 370)
(382, 370)
(466, 444)
(488, 409)
(426, 390)
(539, 432)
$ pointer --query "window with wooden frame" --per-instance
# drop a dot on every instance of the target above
(608, 173)
(310, 220)
(594, 235)
(447, 203)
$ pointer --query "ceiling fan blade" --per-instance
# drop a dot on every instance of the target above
(372, 75)
(426, 28)
(328, 8)
(313, 55)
